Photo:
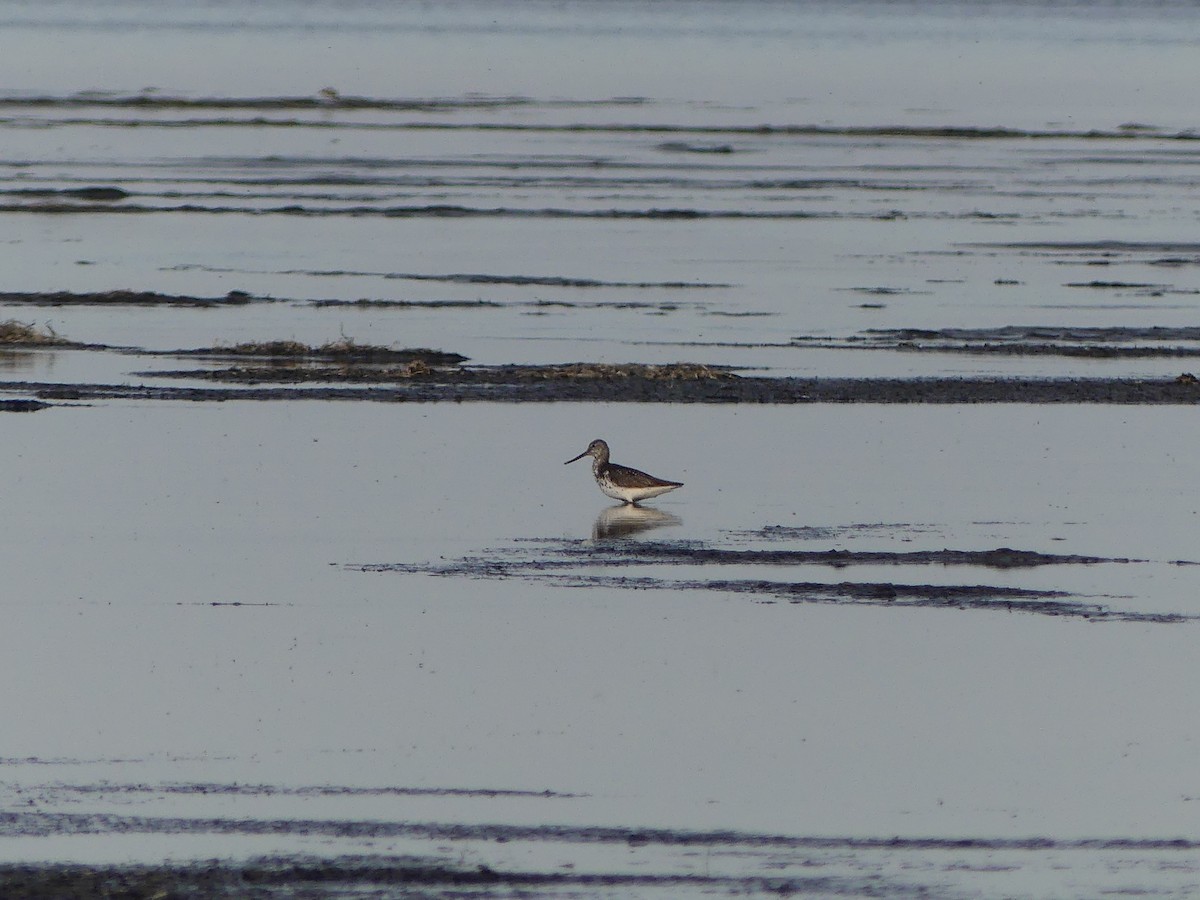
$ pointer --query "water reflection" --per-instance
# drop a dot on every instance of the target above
(23, 360)
(625, 520)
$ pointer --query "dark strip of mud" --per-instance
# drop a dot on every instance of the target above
(365, 303)
(284, 354)
(691, 147)
(658, 861)
(97, 194)
(122, 298)
(322, 100)
(1061, 350)
(682, 553)
(537, 305)
(548, 281)
(977, 597)
(864, 868)
(570, 564)
(486, 278)
(543, 384)
(1165, 254)
(965, 597)
(457, 211)
(23, 405)
(1121, 342)
(1063, 333)
(439, 368)
(1153, 287)
(1096, 246)
(31, 824)
(325, 790)
(387, 877)
(571, 554)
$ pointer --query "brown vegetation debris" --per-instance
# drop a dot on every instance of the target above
(26, 334)
(342, 350)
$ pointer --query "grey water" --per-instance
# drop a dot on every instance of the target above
(219, 624)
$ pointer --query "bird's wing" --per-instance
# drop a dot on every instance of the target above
(634, 477)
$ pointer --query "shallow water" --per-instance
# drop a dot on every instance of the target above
(399, 629)
(211, 624)
(734, 201)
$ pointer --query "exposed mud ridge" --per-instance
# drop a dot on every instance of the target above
(66, 207)
(97, 193)
(435, 367)
(37, 824)
(538, 306)
(1167, 254)
(688, 553)
(472, 860)
(286, 353)
(324, 790)
(1142, 288)
(121, 298)
(692, 383)
(327, 98)
(391, 877)
(619, 372)
(965, 597)
(692, 147)
(485, 278)
(368, 303)
(976, 597)
(549, 281)
(384, 877)
(380, 877)
(1025, 340)
(22, 405)
(567, 564)
(135, 106)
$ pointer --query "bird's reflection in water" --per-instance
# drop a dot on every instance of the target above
(626, 520)
(21, 360)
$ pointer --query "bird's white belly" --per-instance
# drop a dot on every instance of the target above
(632, 494)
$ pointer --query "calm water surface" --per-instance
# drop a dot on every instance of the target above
(208, 616)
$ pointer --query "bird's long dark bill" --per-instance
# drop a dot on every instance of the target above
(580, 456)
